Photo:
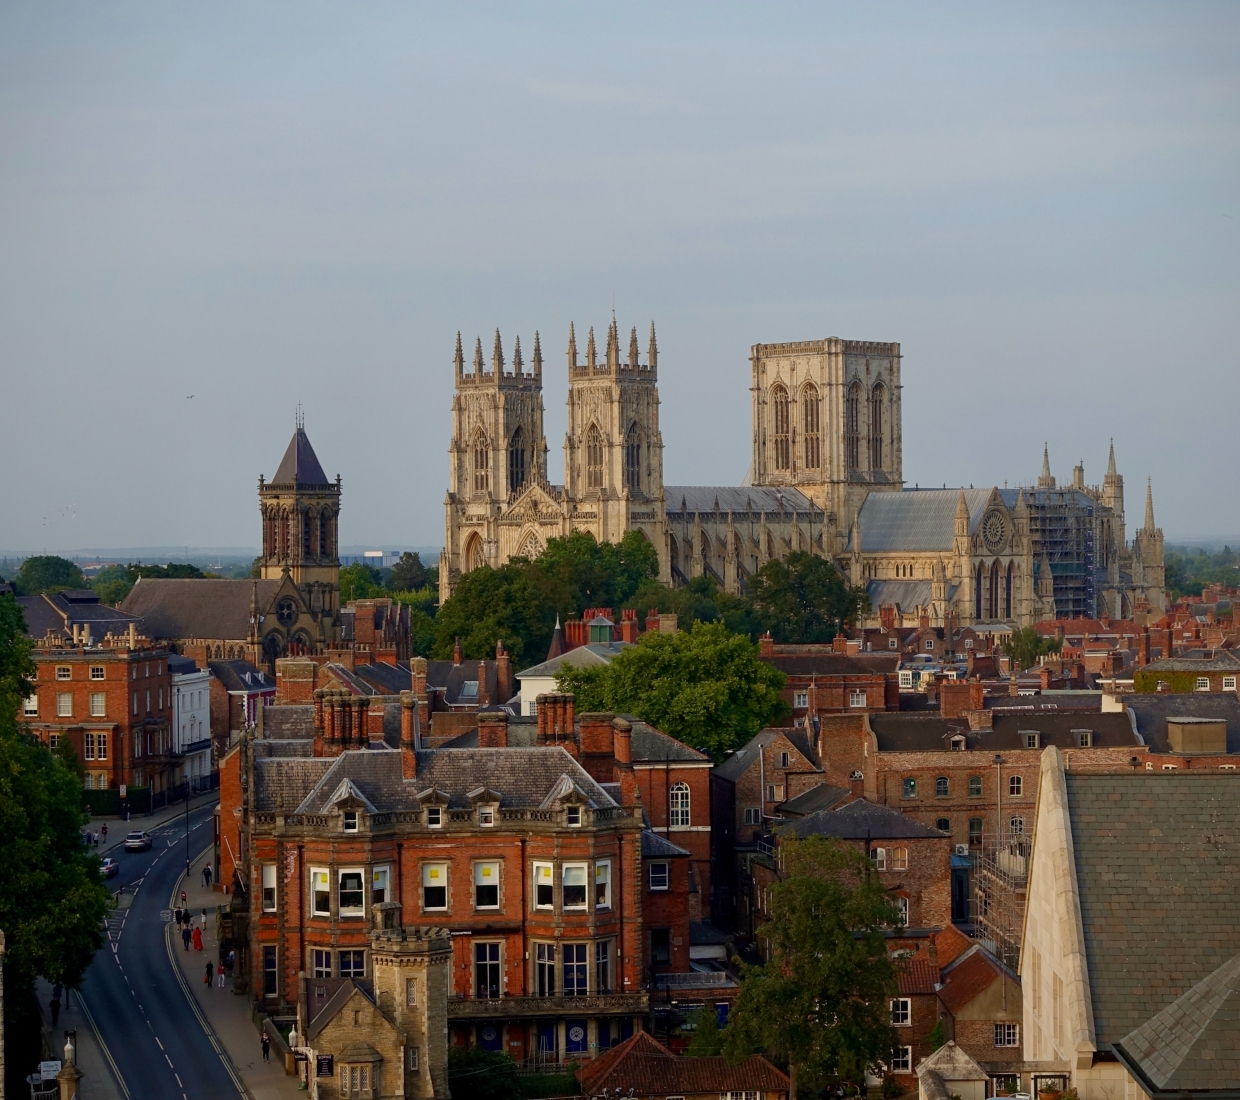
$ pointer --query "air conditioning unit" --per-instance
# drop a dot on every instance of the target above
(962, 849)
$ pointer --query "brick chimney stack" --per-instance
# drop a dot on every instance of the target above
(856, 786)
(456, 652)
(408, 735)
(1143, 647)
(652, 620)
(622, 747)
(981, 720)
(503, 674)
(493, 729)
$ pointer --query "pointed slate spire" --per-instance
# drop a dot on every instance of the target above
(557, 641)
(1111, 461)
(1149, 506)
(478, 356)
(458, 360)
(591, 354)
(652, 354)
(572, 348)
(518, 366)
(497, 357)
(537, 358)
(1045, 481)
(613, 345)
(633, 348)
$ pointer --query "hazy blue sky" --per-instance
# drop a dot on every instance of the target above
(262, 204)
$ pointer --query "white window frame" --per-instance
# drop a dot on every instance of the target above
(902, 1059)
(678, 803)
(752, 816)
(856, 698)
(893, 643)
(64, 672)
(929, 645)
(411, 992)
(98, 704)
(1032, 740)
(348, 821)
(1229, 683)
(321, 960)
(906, 678)
(901, 1012)
(64, 704)
(572, 816)
(431, 871)
(878, 859)
(659, 876)
(544, 875)
(30, 706)
(1203, 683)
(434, 817)
(380, 883)
(575, 870)
(88, 745)
(101, 746)
(1007, 1035)
(602, 877)
(486, 869)
(1016, 786)
(800, 699)
(97, 672)
(902, 909)
(352, 910)
(320, 876)
(486, 816)
(269, 887)
(784, 760)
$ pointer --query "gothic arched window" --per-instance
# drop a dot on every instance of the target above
(852, 426)
(783, 448)
(324, 534)
(678, 805)
(594, 458)
(633, 460)
(516, 460)
(1007, 593)
(307, 548)
(992, 608)
(482, 462)
(877, 398)
(977, 595)
(810, 420)
(474, 556)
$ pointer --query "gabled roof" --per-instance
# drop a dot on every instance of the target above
(739, 762)
(916, 976)
(862, 820)
(950, 944)
(300, 465)
(745, 500)
(951, 1063)
(177, 607)
(1194, 1043)
(346, 792)
(582, 656)
(337, 1002)
(650, 745)
(58, 612)
(656, 847)
(1221, 660)
(973, 973)
(821, 797)
(238, 675)
(898, 732)
(646, 1067)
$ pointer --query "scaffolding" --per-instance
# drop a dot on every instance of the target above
(1000, 884)
(1061, 524)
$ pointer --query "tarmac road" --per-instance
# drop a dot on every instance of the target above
(157, 1042)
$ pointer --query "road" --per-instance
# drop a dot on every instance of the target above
(158, 1043)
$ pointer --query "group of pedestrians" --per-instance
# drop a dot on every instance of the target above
(91, 840)
(191, 933)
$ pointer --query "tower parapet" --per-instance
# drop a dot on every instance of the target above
(612, 364)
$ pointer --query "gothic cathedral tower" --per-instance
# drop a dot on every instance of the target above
(498, 450)
(827, 421)
(613, 451)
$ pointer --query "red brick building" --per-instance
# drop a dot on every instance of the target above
(823, 680)
(114, 703)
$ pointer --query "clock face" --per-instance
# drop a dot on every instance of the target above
(994, 530)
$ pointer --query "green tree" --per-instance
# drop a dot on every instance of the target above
(1026, 645)
(256, 568)
(935, 1039)
(408, 574)
(702, 600)
(67, 755)
(492, 605)
(705, 686)
(48, 573)
(576, 572)
(821, 1002)
(360, 581)
(477, 1074)
(803, 599)
(111, 584)
(707, 1041)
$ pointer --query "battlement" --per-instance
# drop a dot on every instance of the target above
(516, 378)
(611, 364)
(831, 345)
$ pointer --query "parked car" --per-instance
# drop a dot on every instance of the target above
(137, 842)
(109, 866)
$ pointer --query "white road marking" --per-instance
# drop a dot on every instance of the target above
(161, 1045)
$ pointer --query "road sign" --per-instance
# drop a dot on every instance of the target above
(48, 1070)
(325, 1065)
(124, 787)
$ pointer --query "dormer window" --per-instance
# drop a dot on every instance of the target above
(958, 743)
(572, 816)
(350, 821)
(434, 817)
(486, 816)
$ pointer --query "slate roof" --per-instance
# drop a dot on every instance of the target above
(300, 465)
(1151, 711)
(899, 732)
(742, 500)
(643, 1066)
(906, 595)
(1194, 1043)
(736, 765)
(1157, 870)
(453, 680)
(861, 820)
(834, 664)
(181, 666)
(385, 679)
(1222, 660)
(233, 675)
(651, 744)
(582, 656)
(821, 797)
(60, 610)
(175, 607)
(657, 847)
(285, 780)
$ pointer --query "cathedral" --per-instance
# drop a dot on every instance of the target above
(826, 477)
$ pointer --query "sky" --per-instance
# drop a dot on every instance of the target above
(212, 213)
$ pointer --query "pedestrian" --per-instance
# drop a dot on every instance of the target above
(182, 897)
(185, 935)
(55, 1009)
(207, 872)
(266, 1046)
(219, 975)
(230, 959)
(96, 840)
(126, 813)
(105, 832)
(197, 939)
(210, 973)
(178, 916)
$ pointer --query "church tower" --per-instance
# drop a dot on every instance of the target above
(1148, 569)
(1113, 498)
(301, 513)
(497, 451)
(613, 451)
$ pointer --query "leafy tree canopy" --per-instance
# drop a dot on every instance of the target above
(1026, 645)
(577, 572)
(477, 1074)
(705, 686)
(803, 599)
(702, 600)
(48, 573)
(408, 574)
(52, 898)
(360, 581)
(822, 1000)
(492, 605)
(1189, 570)
(707, 1041)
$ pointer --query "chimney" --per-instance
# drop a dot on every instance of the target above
(74, 627)
(1143, 647)
(1044, 678)
(932, 951)
(456, 651)
(652, 620)
(570, 716)
(133, 636)
(622, 740)
(493, 729)
(668, 624)
(329, 716)
(856, 786)
(318, 710)
(766, 645)
(981, 720)
(417, 668)
(540, 709)
(408, 735)
(503, 674)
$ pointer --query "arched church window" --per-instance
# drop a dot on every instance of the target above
(307, 547)
(633, 460)
(482, 462)
(516, 460)
(810, 418)
(977, 595)
(473, 554)
(877, 399)
(783, 449)
(992, 604)
(852, 426)
(1007, 593)
(594, 458)
(324, 531)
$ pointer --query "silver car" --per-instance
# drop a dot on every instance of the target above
(137, 842)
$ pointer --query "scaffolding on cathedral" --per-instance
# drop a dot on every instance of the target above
(1000, 883)
(1061, 523)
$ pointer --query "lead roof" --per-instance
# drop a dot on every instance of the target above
(300, 465)
(1151, 712)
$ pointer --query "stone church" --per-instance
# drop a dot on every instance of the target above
(826, 477)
